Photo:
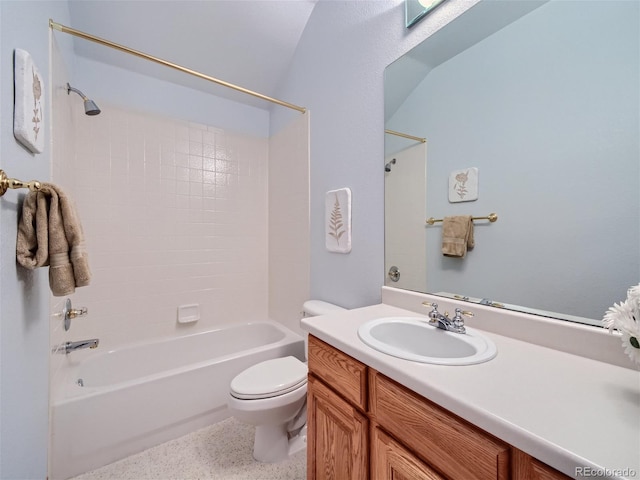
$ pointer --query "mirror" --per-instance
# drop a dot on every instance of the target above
(542, 97)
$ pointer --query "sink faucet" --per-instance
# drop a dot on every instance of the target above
(455, 324)
(73, 346)
(491, 303)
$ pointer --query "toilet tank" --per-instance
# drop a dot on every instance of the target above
(315, 308)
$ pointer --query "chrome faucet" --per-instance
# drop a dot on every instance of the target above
(455, 324)
(73, 346)
(491, 303)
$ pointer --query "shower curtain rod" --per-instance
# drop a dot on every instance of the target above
(410, 137)
(101, 41)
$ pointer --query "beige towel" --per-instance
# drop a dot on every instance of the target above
(49, 233)
(457, 235)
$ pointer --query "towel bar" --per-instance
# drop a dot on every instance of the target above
(492, 217)
(6, 183)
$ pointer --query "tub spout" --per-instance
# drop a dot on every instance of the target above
(73, 346)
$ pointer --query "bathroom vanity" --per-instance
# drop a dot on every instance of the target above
(385, 423)
(532, 412)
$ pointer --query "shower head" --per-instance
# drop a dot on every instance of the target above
(90, 107)
(387, 167)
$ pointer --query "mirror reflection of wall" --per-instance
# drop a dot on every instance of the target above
(547, 108)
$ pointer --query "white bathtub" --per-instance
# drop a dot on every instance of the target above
(144, 394)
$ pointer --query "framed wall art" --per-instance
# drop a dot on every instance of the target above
(28, 111)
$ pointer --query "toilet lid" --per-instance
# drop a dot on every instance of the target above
(269, 379)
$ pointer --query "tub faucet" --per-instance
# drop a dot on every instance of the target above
(73, 346)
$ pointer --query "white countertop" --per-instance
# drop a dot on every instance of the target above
(568, 411)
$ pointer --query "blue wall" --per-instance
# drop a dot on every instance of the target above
(24, 296)
(337, 72)
(135, 91)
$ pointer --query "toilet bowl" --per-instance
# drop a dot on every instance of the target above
(271, 395)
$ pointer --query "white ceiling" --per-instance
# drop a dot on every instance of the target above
(249, 43)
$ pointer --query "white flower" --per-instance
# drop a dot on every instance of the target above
(620, 317)
(631, 346)
(633, 297)
(625, 317)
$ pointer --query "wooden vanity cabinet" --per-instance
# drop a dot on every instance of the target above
(447, 443)
(363, 425)
(337, 427)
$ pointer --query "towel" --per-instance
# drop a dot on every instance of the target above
(457, 235)
(49, 233)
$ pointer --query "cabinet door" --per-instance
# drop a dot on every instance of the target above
(337, 436)
(391, 461)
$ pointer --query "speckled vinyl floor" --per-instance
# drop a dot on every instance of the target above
(219, 452)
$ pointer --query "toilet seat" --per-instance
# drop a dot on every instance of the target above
(270, 378)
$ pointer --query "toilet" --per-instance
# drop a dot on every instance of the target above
(272, 395)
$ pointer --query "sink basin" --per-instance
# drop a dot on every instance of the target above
(414, 339)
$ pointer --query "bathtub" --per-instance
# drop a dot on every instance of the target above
(116, 403)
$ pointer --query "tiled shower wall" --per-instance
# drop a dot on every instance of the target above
(289, 242)
(174, 213)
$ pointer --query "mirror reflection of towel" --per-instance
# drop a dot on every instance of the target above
(457, 235)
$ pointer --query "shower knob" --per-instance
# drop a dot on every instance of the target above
(68, 312)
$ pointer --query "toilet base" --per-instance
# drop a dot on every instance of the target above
(298, 442)
(272, 443)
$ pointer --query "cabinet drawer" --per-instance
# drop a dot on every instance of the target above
(543, 471)
(338, 370)
(391, 461)
(528, 468)
(448, 443)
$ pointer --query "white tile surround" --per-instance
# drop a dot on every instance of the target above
(174, 213)
(177, 213)
(289, 243)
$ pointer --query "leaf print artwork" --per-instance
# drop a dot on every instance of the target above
(37, 108)
(335, 222)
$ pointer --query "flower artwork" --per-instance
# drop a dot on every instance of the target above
(463, 185)
(28, 112)
(338, 220)
(624, 317)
